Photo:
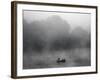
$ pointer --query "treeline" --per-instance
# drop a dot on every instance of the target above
(53, 34)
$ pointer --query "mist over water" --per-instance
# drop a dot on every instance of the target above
(44, 41)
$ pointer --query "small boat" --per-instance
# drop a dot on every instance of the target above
(61, 60)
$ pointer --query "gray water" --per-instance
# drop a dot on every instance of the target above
(48, 59)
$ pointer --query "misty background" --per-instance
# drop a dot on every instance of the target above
(48, 36)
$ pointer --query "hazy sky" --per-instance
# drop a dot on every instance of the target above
(74, 19)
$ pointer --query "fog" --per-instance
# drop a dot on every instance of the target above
(74, 19)
(45, 39)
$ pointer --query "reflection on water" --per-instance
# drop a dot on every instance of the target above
(74, 58)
